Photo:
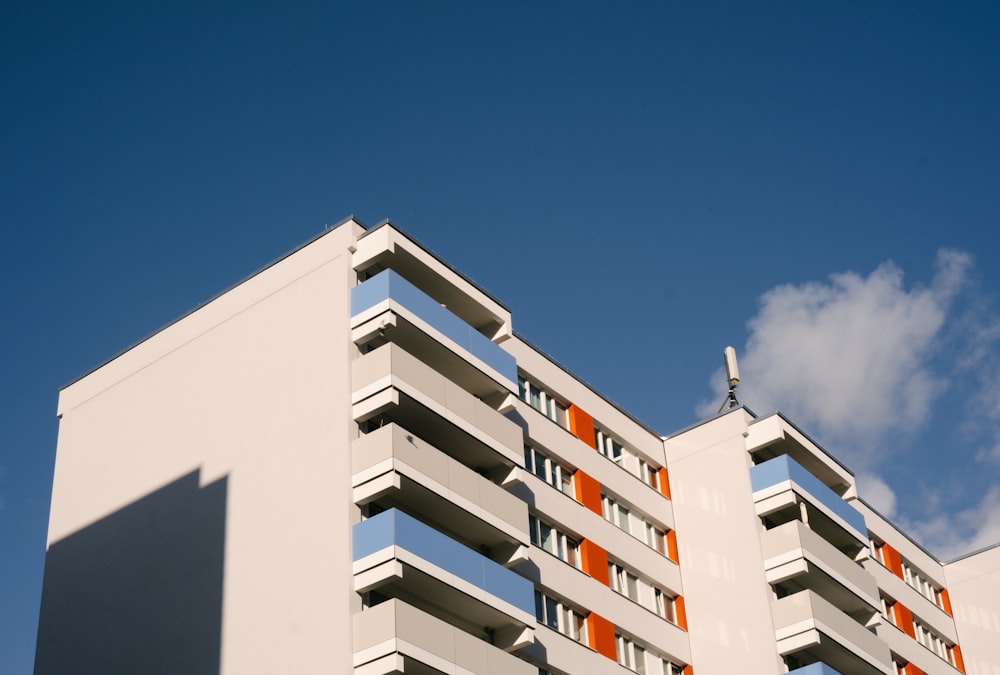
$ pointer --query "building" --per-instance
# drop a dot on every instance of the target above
(350, 462)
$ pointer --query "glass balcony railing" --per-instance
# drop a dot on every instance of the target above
(388, 285)
(783, 468)
(814, 669)
(395, 528)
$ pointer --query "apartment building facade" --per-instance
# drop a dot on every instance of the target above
(350, 462)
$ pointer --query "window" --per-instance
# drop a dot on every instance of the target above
(621, 517)
(614, 450)
(625, 582)
(877, 551)
(615, 513)
(542, 401)
(560, 617)
(663, 605)
(665, 667)
(630, 655)
(656, 539)
(886, 612)
(639, 659)
(609, 447)
(922, 585)
(550, 539)
(549, 470)
(649, 474)
(932, 640)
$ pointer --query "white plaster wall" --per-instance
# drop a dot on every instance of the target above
(253, 387)
(974, 587)
(728, 599)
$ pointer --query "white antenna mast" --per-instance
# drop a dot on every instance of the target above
(732, 378)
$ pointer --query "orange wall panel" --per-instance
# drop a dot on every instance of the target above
(956, 654)
(664, 482)
(680, 613)
(594, 561)
(601, 634)
(672, 546)
(904, 619)
(892, 560)
(581, 425)
(588, 491)
(688, 670)
(911, 669)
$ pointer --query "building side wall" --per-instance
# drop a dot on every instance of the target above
(253, 391)
(974, 586)
(722, 565)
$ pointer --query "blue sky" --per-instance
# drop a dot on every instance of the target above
(643, 185)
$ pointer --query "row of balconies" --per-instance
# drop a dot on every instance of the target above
(438, 597)
(433, 395)
(825, 600)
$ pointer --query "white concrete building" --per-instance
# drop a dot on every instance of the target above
(351, 463)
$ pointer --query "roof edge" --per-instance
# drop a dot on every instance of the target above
(326, 230)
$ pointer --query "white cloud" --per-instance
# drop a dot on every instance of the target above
(858, 360)
(877, 493)
(952, 534)
(849, 358)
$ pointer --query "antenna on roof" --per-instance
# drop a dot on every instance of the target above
(732, 377)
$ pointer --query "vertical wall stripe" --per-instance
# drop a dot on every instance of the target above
(680, 612)
(672, 546)
(601, 635)
(581, 425)
(892, 560)
(689, 670)
(594, 561)
(904, 619)
(664, 481)
(910, 669)
(588, 491)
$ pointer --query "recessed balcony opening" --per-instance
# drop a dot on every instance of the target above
(800, 664)
(784, 491)
(429, 594)
(806, 459)
(391, 385)
(387, 248)
(463, 372)
(827, 587)
(444, 515)
(398, 556)
(391, 636)
(448, 438)
(816, 520)
(834, 656)
(809, 629)
(388, 308)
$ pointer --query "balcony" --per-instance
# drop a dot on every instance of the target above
(809, 628)
(784, 491)
(388, 307)
(395, 637)
(391, 385)
(797, 558)
(772, 436)
(399, 556)
(387, 247)
(394, 468)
